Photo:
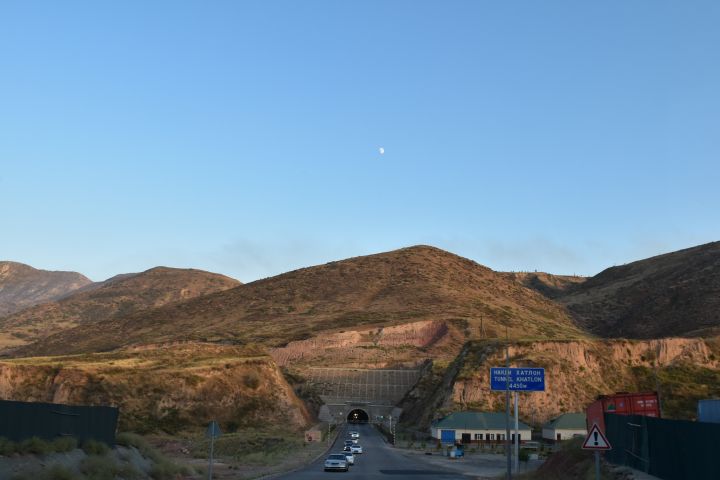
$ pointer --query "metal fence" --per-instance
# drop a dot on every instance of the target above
(22, 420)
(668, 449)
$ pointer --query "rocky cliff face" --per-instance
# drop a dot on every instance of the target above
(578, 371)
(22, 286)
(168, 388)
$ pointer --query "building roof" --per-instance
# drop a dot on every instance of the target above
(476, 421)
(568, 421)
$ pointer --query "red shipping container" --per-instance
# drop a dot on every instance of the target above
(622, 403)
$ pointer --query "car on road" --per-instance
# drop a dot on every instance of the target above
(337, 461)
(350, 458)
(355, 449)
(354, 435)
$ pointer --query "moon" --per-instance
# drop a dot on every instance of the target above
(381, 150)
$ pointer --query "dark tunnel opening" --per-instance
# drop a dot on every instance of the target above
(358, 416)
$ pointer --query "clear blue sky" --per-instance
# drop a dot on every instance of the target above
(242, 137)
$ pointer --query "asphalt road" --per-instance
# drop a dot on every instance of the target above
(378, 461)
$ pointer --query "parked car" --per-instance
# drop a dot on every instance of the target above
(337, 461)
(355, 449)
(350, 458)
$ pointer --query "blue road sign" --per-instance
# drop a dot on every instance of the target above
(528, 379)
(213, 430)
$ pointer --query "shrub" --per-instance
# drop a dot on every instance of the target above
(7, 447)
(128, 472)
(98, 468)
(93, 447)
(165, 470)
(128, 439)
(523, 455)
(64, 444)
(162, 468)
(251, 381)
(59, 472)
(35, 446)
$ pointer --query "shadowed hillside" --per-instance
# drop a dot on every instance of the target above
(552, 286)
(119, 296)
(407, 285)
(673, 294)
(22, 286)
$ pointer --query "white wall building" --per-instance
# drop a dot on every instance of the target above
(565, 427)
(476, 427)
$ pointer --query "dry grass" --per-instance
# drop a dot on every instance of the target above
(413, 284)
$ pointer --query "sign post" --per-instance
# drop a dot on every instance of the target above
(596, 442)
(213, 431)
(525, 379)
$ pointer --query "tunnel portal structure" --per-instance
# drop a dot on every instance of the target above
(358, 395)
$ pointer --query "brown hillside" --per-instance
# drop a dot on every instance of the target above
(119, 296)
(669, 295)
(23, 286)
(402, 286)
(163, 387)
(552, 286)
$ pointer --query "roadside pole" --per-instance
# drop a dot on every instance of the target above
(597, 442)
(520, 379)
(392, 432)
(517, 439)
(212, 448)
(597, 465)
(212, 432)
(507, 410)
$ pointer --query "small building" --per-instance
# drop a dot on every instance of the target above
(565, 427)
(477, 427)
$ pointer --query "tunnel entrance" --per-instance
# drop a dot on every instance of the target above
(358, 416)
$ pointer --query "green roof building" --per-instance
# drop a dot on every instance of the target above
(475, 427)
(565, 427)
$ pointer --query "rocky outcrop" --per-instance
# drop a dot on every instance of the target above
(343, 345)
(166, 388)
(576, 371)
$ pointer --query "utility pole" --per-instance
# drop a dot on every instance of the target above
(392, 432)
(507, 404)
(657, 379)
(212, 448)
(517, 436)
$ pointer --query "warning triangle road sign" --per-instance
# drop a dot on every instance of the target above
(596, 440)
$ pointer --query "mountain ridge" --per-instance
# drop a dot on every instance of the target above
(410, 284)
(22, 286)
(118, 296)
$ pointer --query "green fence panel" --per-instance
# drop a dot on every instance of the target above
(22, 420)
(668, 449)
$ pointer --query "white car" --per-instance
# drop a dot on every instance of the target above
(355, 449)
(354, 435)
(337, 461)
(350, 458)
